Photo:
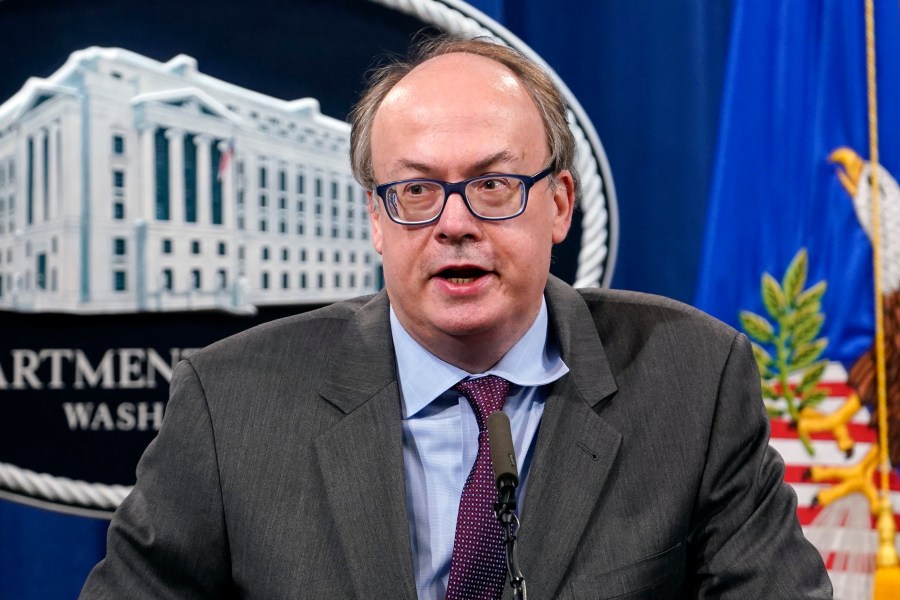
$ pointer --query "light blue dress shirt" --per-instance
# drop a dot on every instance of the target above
(440, 437)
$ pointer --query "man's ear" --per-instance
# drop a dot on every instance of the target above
(374, 220)
(564, 201)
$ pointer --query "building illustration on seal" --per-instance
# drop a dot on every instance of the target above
(128, 184)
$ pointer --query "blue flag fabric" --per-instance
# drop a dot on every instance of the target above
(796, 91)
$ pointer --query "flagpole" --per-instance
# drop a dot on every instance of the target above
(887, 573)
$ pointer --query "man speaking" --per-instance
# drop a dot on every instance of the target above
(343, 453)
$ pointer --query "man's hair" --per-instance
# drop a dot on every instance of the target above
(550, 103)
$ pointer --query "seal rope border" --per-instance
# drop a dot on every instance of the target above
(599, 238)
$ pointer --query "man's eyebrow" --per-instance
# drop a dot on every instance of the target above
(504, 156)
(411, 165)
(483, 164)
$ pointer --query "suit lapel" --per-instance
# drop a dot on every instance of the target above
(361, 457)
(575, 449)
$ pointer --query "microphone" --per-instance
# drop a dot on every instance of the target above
(506, 473)
(503, 454)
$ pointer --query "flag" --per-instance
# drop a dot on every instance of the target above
(225, 159)
(791, 172)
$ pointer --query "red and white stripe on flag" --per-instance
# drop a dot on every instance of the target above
(844, 531)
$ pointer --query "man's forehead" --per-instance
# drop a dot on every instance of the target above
(477, 164)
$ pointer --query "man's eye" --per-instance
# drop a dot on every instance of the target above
(493, 184)
(417, 189)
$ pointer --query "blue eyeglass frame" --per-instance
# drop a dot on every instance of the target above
(459, 187)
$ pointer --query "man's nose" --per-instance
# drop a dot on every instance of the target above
(457, 221)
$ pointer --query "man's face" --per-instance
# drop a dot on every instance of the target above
(462, 280)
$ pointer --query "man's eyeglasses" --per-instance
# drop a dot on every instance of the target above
(493, 197)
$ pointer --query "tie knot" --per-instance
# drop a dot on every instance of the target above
(485, 394)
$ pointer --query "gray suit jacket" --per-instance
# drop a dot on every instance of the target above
(278, 472)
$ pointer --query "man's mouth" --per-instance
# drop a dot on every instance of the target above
(462, 276)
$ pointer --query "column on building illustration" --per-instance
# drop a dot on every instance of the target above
(53, 168)
(29, 201)
(37, 157)
(146, 170)
(202, 182)
(176, 140)
(45, 174)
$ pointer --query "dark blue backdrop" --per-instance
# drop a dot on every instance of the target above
(649, 74)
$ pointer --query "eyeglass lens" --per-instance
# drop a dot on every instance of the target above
(490, 196)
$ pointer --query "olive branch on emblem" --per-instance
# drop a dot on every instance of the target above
(786, 349)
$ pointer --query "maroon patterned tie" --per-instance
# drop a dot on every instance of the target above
(477, 566)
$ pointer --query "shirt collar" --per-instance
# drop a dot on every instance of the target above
(532, 361)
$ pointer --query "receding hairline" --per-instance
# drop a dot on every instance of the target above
(457, 55)
(419, 76)
(435, 61)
